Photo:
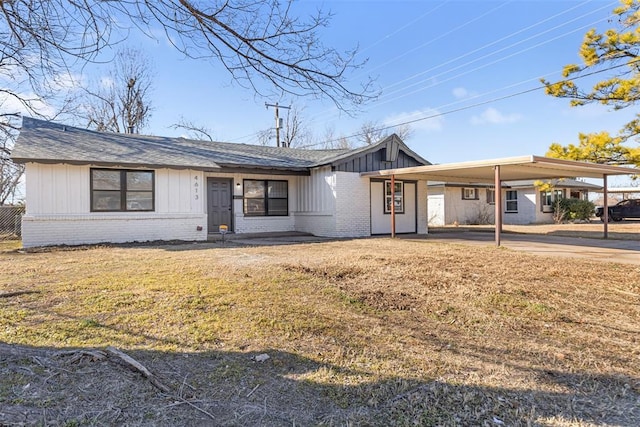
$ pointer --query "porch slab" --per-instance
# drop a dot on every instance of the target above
(270, 238)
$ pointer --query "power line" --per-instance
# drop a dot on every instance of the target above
(386, 100)
(399, 91)
(456, 110)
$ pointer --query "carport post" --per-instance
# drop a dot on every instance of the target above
(393, 206)
(605, 207)
(498, 203)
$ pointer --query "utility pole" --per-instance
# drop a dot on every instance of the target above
(278, 120)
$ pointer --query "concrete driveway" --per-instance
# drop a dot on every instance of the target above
(621, 251)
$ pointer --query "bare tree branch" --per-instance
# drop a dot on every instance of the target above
(260, 42)
(193, 131)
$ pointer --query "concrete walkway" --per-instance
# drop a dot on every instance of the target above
(621, 251)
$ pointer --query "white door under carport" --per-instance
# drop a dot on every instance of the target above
(405, 218)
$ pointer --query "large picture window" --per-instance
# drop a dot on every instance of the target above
(114, 190)
(397, 196)
(266, 198)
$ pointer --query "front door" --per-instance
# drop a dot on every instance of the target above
(219, 203)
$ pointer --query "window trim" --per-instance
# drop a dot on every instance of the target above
(265, 198)
(386, 207)
(123, 190)
(491, 200)
(507, 200)
(475, 193)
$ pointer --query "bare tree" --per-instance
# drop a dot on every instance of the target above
(330, 141)
(262, 43)
(10, 173)
(372, 132)
(296, 133)
(193, 130)
(264, 136)
(120, 101)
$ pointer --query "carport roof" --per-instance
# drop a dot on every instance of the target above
(511, 169)
(506, 169)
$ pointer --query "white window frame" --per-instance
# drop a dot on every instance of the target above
(398, 197)
(510, 201)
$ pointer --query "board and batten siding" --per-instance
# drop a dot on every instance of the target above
(59, 212)
(316, 208)
(333, 204)
(375, 161)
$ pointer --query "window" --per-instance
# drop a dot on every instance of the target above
(549, 198)
(469, 194)
(266, 198)
(511, 201)
(114, 190)
(397, 197)
(491, 196)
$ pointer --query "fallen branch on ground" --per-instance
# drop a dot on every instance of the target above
(131, 362)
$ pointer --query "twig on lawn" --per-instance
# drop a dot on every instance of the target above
(133, 363)
(182, 401)
(254, 389)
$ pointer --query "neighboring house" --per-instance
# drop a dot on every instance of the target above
(84, 187)
(523, 203)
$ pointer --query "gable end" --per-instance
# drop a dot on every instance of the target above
(378, 160)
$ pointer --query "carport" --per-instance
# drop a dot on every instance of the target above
(506, 169)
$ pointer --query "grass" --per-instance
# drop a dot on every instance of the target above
(625, 230)
(375, 331)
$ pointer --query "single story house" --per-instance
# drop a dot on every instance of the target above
(524, 203)
(84, 187)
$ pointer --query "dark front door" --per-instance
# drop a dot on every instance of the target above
(219, 203)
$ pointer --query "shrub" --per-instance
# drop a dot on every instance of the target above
(572, 209)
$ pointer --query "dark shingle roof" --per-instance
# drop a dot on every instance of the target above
(48, 142)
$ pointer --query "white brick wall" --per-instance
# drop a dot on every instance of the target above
(318, 224)
(526, 208)
(44, 230)
(353, 214)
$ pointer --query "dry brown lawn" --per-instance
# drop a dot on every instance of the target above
(624, 230)
(363, 332)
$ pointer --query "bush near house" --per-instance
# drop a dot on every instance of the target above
(572, 210)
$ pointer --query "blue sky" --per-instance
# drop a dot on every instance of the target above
(429, 59)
